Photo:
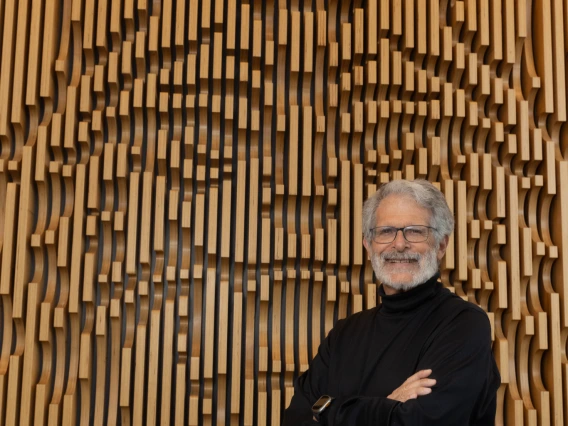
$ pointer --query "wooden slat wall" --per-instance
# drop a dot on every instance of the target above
(181, 186)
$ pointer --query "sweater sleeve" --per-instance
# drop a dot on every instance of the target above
(312, 384)
(465, 393)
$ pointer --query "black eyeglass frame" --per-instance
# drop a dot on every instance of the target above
(403, 233)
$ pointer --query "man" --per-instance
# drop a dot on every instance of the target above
(422, 357)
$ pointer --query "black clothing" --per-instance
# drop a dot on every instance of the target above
(368, 355)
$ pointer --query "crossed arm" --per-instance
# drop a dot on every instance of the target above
(455, 384)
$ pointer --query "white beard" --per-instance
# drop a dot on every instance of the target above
(428, 266)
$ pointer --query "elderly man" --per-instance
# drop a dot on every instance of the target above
(423, 356)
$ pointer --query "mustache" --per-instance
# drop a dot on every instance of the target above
(400, 256)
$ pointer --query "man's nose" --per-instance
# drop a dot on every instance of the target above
(400, 242)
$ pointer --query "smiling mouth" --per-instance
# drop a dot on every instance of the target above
(402, 261)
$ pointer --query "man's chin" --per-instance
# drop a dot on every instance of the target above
(400, 281)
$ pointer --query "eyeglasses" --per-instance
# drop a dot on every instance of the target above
(412, 233)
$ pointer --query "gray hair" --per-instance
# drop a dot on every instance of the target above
(421, 191)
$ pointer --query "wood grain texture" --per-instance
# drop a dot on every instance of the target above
(181, 186)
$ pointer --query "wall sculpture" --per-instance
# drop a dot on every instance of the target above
(181, 186)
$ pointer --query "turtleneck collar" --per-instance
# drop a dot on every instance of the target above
(411, 299)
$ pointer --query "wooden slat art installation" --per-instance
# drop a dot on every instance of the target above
(181, 185)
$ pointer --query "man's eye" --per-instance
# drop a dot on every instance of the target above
(414, 231)
(387, 231)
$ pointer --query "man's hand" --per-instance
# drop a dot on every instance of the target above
(415, 386)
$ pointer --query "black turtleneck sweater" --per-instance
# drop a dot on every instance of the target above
(368, 355)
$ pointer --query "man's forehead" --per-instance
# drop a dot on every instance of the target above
(400, 204)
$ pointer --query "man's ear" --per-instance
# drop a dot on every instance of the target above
(442, 248)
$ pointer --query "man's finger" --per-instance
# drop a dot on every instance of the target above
(416, 385)
(419, 384)
(419, 375)
(425, 382)
(423, 391)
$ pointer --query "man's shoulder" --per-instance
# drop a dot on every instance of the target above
(458, 304)
(463, 313)
(356, 320)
